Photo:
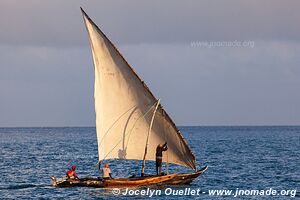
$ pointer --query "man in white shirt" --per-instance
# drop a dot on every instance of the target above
(106, 174)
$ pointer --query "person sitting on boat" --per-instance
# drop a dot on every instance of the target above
(71, 173)
(106, 174)
(159, 149)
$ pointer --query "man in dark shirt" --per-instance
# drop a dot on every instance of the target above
(159, 149)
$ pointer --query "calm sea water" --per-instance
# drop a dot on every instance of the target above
(238, 157)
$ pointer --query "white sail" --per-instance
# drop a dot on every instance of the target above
(124, 107)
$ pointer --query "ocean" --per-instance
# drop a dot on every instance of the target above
(241, 159)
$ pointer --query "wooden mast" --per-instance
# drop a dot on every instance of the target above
(148, 136)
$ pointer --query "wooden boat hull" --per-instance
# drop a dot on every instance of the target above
(171, 179)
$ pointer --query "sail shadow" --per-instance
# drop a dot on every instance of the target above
(122, 153)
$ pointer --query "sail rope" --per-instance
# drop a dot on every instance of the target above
(152, 107)
(99, 162)
(129, 131)
(115, 122)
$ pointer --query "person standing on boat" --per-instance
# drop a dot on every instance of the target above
(159, 150)
(71, 173)
(106, 172)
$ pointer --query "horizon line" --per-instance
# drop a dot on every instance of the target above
(241, 125)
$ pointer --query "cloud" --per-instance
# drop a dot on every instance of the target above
(54, 86)
(46, 71)
(251, 86)
(42, 86)
(59, 23)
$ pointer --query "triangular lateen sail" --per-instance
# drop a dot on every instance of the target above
(124, 107)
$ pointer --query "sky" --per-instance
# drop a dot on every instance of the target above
(225, 62)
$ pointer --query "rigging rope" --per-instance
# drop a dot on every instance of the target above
(137, 121)
(99, 162)
(115, 123)
(130, 131)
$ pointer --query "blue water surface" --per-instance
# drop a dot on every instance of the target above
(238, 157)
